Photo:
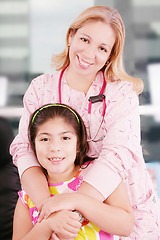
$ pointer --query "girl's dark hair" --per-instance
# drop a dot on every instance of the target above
(50, 111)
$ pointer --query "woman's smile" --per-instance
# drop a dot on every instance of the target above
(83, 63)
(90, 48)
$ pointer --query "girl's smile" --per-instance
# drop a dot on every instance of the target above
(56, 149)
(55, 160)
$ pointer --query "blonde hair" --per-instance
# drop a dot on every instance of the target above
(114, 69)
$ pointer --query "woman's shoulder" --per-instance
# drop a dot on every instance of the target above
(85, 168)
(45, 78)
(43, 83)
(119, 88)
(117, 85)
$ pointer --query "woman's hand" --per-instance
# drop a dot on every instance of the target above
(65, 224)
(55, 237)
(65, 201)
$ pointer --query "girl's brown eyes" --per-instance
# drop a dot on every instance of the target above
(66, 138)
(44, 139)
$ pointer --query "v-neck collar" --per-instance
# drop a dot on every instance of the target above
(93, 90)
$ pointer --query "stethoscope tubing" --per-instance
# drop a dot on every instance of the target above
(93, 139)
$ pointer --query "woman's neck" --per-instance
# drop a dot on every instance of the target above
(79, 82)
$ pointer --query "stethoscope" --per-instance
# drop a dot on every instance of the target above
(93, 99)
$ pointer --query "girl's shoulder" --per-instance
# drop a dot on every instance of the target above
(25, 199)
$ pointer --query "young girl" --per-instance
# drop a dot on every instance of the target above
(59, 140)
(92, 65)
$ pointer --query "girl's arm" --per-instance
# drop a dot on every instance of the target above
(114, 216)
(23, 226)
(64, 223)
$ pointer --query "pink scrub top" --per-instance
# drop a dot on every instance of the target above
(119, 155)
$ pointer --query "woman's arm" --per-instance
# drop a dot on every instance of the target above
(114, 216)
(32, 178)
(120, 150)
(63, 223)
(23, 155)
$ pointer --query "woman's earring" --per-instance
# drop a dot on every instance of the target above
(68, 46)
(107, 63)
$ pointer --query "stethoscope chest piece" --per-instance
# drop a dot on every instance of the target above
(92, 100)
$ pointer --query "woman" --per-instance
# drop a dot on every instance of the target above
(92, 59)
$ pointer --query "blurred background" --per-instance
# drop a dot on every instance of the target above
(31, 31)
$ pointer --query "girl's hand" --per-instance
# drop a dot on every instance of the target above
(65, 224)
(59, 202)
